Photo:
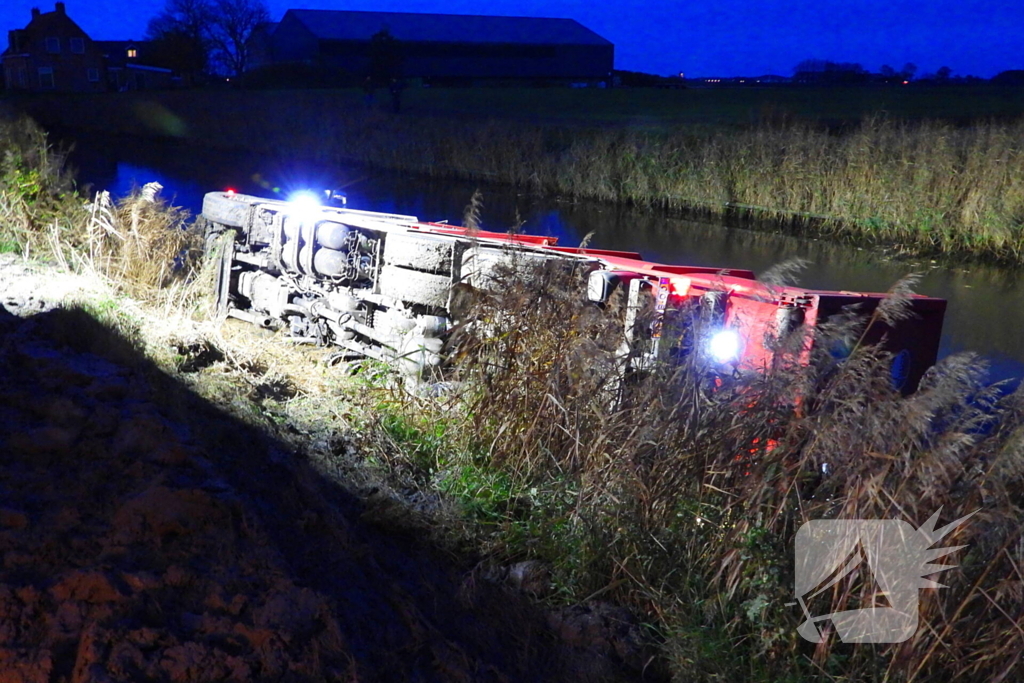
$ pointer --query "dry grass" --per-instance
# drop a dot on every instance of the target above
(146, 248)
(927, 185)
(680, 492)
(140, 242)
(36, 196)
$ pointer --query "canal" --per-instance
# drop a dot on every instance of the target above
(986, 303)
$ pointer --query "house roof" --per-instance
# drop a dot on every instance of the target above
(54, 23)
(406, 26)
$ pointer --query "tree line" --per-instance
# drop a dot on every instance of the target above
(825, 71)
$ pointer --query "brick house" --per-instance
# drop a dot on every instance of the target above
(53, 53)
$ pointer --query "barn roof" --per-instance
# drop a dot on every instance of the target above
(462, 28)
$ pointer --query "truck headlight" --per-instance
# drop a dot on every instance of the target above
(724, 346)
(599, 285)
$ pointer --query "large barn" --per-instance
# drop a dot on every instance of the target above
(446, 48)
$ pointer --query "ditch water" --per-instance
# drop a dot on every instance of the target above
(986, 303)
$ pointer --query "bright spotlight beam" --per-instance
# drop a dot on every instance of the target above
(305, 205)
(724, 346)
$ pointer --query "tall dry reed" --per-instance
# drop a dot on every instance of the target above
(926, 185)
(679, 489)
(140, 243)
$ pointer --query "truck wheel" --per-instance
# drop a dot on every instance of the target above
(419, 252)
(212, 232)
(414, 286)
(230, 210)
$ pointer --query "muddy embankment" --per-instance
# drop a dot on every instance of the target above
(147, 534)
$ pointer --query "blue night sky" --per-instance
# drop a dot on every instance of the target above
(721, 38)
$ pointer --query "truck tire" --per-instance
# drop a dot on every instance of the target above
(231, 210)
(414, 286)
(419, 252)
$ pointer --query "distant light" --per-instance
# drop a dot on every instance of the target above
(905, 82)
(229, 191)
(724, 346)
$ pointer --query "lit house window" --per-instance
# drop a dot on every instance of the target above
(53, 45)
(46, 77)
(132, 53)
(94, 75)
(78, 46)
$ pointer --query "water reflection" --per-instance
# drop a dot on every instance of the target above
(986, 304)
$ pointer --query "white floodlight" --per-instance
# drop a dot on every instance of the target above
(724, 346)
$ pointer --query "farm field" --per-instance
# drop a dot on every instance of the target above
(643, 106)
(716, 105)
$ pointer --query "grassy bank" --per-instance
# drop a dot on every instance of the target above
(924, 184)
(678, 493)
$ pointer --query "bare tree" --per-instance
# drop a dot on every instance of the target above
(200, 34)
(231, 32)
(180, 36)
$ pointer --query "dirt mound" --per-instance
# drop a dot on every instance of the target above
(145, 534)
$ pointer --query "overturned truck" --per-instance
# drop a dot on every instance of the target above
(387, 287)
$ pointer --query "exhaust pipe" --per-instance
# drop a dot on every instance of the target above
(264, 321)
